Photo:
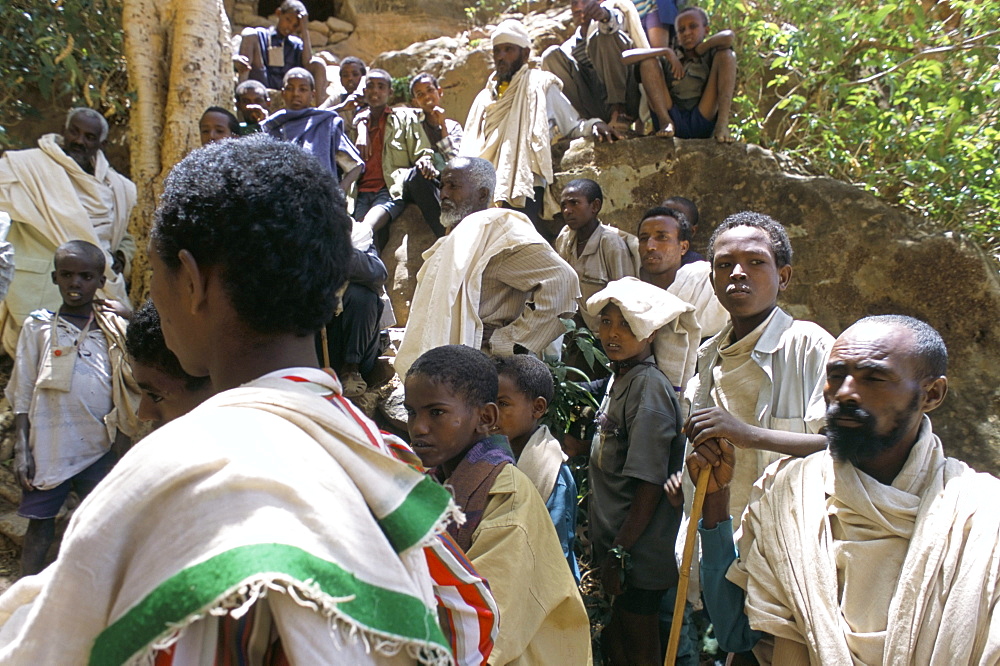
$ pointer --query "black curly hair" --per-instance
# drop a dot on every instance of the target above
(272, 218)
(531, 376)
(781, 247)
(145, 344)
(468, 372)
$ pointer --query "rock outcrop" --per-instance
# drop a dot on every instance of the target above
(854, 256)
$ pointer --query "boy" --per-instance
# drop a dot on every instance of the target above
(217, 124)
(266, 54)
(422, 186)
(167, 391)
(597, 252)
(72, 395)
(639, 445)
(391, 143)
(253, 104)
(525, 391)
(692, 93)
(451, 395)
(348, 103)
(760, 380)
(318, 131)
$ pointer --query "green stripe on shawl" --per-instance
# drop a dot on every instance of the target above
(416, 516)
(200, 587)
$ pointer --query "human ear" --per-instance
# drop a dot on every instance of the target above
(784, 276)
(489, 416)
(192, 280)
(685, 246)
(597, 205)
(538, 407)
(935, 391)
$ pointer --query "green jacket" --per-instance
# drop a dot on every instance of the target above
(405, 143)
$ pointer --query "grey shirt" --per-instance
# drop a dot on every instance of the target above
(639, 438)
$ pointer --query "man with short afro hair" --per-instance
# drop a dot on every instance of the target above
(264, 490)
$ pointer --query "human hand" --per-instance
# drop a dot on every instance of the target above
(118, 261)
(593, 11)
(676, 68)
(303, 22)
(717, 423)
(426, 166)
(603, 132)
(437, 118)
(673, 488)
(256, 113)
(611, 578)
(364, 148)
(24, 466)
(720, 457)
(241, 63)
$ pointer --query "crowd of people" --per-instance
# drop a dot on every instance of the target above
(268, 520)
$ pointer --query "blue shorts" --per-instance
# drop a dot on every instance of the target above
(45, 504)
(365, 201)
(691, 124)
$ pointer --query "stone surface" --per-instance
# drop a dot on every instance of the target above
(409, 237)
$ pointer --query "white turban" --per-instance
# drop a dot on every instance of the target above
(511, 31)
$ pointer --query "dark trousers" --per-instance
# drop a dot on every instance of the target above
(353, 335)
(426, 194)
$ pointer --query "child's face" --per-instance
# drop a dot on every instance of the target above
(442, 425)
(165, 397)
(377, 91)
(519, 413)
(620, 343)
(744, 273)
(288, 23)
(298, 94)
(250, 98)
(350, 77)
(576, 210)
(660, 247)
(214, 126)
(426, 96)
(78, 279)
(690, 30)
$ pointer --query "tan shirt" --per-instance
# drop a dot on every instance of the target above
(605, 258)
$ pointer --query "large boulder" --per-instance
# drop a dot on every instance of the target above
(854, 256)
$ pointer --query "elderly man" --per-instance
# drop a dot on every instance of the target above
(515, 119)
(877, 550)
(61, 191)
(491, 283)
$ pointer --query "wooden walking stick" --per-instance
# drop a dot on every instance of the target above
(684, 573)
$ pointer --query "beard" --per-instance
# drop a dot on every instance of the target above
(860, 443)
(452, 213)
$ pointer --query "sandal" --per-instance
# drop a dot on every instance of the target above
(353, 385)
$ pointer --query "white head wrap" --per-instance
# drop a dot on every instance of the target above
(511, 31)
(645, 307)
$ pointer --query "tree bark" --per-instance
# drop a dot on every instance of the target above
(179, 62)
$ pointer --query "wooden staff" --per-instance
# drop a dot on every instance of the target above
(326, 349)
(684, 573)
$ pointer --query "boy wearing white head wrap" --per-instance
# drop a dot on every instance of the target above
(639, 445)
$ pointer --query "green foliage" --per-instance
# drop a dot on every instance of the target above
(401, 89)
(66, 50)
(899, 98)
(572, 401)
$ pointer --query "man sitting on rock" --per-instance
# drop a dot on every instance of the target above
(876, 550)
(352, 100)
(589, 63)
(492, 283)
(266, 54)
(514, 121)
(61, 191)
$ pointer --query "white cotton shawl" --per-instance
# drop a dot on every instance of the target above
(942, 612)
(692, 285)
(445, 307)
(649, 309)
(540, 461)
(512, 132)
(263, 490)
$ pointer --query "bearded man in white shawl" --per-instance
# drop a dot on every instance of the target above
(492, 283)
(515, 120)
(61, 191)
(270, 524)
(878, 550)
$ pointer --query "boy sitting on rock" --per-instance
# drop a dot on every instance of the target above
(451, 395)
(72, 395)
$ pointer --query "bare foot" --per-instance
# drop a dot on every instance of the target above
(666, 132)
(722, 135)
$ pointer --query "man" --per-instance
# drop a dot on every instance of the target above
(61, 191)
(516, 118)
(230, 506)
(878, 550)
(589, 63)
(664, 241)
(505, 288)
(391, 143)
(690, 210)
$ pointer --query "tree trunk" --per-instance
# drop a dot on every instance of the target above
(179, 62)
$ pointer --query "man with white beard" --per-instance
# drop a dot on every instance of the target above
(492, 283)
